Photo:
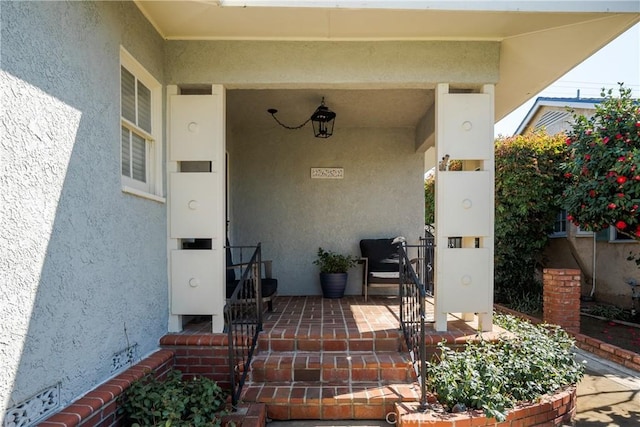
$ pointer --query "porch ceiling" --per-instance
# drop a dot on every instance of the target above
(540, 41)
(354, 108)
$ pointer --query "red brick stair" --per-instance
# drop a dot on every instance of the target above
(329, 375)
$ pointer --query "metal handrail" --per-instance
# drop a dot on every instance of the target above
(243, 321)
(413, 293)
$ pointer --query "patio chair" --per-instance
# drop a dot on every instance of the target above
(381, 264)
(269, 284)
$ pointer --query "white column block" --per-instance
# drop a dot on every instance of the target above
(194, 212)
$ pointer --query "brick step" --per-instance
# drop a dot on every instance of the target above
(387, 367)
(330, 340)
(309, 400)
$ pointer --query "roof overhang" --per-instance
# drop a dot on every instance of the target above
(540, 40)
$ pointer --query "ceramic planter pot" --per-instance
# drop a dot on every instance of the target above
(333, 284)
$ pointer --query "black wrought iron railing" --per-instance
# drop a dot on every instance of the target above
(243, 320)
(425, 264)
(413, 316)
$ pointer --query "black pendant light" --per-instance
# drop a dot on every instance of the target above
(322, 121)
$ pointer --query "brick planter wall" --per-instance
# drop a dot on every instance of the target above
(99, 407)
(204, 355)
(561, 298)
(552, 410)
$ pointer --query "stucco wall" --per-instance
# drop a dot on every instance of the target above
(82, 264)
(612, 268)
(395, 64)
(275, 201)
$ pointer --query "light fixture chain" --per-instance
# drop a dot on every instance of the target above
(290, 127)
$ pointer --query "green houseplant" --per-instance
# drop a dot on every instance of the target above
(333, 272)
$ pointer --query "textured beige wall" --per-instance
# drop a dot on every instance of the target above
(274, 200)
(259, 64)
(612, 267)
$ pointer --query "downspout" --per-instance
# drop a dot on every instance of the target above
(593, 269)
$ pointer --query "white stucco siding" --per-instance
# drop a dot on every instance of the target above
(275, 201)
(82, 264)
(322, 64)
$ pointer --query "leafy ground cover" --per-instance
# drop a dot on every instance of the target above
(495, 376)
(173, 402)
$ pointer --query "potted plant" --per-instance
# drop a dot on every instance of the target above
(333, 272)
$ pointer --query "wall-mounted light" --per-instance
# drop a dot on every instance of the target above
(322, 120)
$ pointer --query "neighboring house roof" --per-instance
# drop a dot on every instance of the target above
(554, 114)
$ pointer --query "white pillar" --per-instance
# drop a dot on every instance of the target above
(464, 205)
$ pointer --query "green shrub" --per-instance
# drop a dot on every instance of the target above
(529, 184)
(496, 376)
(197, 402)
(430, 200)
(609, 312)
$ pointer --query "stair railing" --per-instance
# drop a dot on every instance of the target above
(243, 321)
(413, 293)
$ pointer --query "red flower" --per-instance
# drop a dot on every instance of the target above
(638, 124)
(619, 136)
(611, 205)
(622, 158)
(621, 180)
(637, 177)
(588, 132)
(568, 141)
(605, 139)
(570, 217)
(587, 156)
(621, 225)
(592, 193)
(620, 195)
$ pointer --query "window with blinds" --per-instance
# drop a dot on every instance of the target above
(140, 130)
(136, 129)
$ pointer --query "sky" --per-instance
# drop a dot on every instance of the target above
(619, 61)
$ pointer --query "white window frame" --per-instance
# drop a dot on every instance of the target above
(152, 189)
(557, 234)
(583, 233)
(612, 236)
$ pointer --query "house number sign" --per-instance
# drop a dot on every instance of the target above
(327, 173)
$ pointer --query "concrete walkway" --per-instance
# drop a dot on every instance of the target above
(608, 395)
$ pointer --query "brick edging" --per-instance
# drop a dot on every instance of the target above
(551, 409)
(613, 353)
(99, 406)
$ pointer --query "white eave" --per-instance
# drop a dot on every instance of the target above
(540, 40)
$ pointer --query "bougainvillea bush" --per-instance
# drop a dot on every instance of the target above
(604, 166)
